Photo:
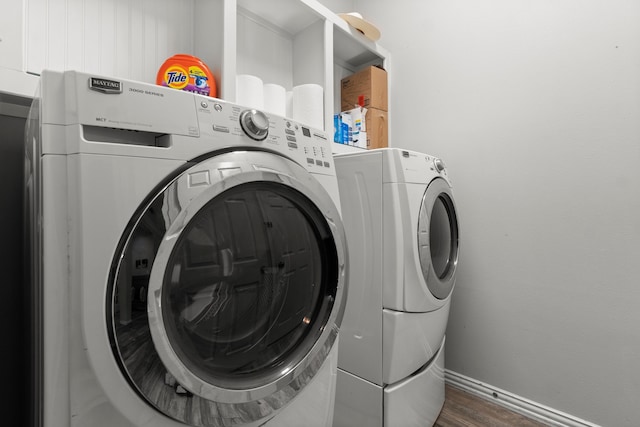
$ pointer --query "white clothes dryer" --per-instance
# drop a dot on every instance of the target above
(188, 259)
(402, 233)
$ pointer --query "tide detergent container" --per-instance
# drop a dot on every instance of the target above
(189, 73)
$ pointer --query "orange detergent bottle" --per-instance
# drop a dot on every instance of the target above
(187, 72)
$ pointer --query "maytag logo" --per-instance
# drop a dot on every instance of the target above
(104, 85)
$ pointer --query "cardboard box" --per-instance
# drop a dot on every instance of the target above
(377, 124)
(370, 82)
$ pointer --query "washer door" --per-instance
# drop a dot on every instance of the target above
(227, 290)
(438, 238)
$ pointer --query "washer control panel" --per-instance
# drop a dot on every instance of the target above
(244, 126)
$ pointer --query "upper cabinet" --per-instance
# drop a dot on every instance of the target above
(287, 42)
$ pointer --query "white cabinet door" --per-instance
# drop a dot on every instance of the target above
(110, 37)
(11, 36)
(13, 79)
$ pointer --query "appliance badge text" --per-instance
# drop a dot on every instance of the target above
(104, 85)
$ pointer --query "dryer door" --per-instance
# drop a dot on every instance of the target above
(227, 292)
(438, 238)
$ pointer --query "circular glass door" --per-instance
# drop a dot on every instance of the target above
(243, 292)
(226, 296)
(438, 238)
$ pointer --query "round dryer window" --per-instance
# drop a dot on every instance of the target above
(227, 293)
(438, 238)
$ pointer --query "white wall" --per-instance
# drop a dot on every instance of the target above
(535, 108)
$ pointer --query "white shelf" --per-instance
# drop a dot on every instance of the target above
(287, 42)
(286, 15)
(354, 51)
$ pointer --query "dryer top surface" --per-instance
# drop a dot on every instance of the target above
(405, 166)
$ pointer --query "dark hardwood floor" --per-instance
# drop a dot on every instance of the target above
(462, 409)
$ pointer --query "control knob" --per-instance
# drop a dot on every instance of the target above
(439, 164)
(255, 124)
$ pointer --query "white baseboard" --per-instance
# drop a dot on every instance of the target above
(514, 402)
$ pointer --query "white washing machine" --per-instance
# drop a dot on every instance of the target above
(402, 233)
(188, 259)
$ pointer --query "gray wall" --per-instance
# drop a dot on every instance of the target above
(535, 108)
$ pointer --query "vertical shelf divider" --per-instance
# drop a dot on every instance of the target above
(328, 77)
(230, 46)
